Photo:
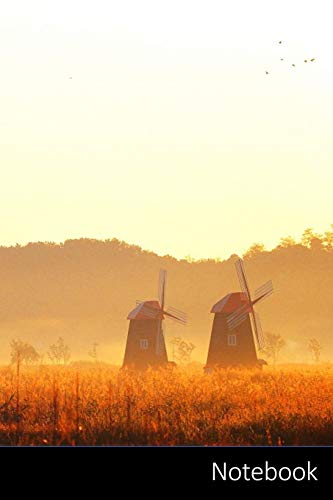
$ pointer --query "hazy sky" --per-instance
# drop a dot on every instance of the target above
(154, 122)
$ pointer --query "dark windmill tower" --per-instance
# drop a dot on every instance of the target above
(236, 327)
(145, 340)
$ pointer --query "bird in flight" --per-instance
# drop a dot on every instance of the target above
(293, 65)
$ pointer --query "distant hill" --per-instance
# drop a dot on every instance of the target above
(83, 290)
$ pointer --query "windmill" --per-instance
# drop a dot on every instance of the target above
(145, 340)
(236, 327)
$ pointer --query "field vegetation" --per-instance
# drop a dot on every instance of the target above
(98, 404)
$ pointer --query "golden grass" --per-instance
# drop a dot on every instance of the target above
(100, 405)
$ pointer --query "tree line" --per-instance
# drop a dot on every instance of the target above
(181, 350)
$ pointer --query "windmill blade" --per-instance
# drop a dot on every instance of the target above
(159, 338)
(263, 291)
(261, 335)
(161, 287)
(255, 328)
(238, 312)
(258, 330)
(261, 297)
(178, 319)
(242, 278)
(153, 312)
(237, 321)
(175, 318)
(163, 331)
(177, 313)
(238, 316)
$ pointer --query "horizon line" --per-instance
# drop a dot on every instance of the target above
(259, 246)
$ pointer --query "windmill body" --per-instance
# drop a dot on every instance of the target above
(145, 346)
(236, 327)
(231, 347)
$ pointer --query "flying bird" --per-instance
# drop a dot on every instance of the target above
(280, 41)
(294, 65)
(305, 60)
(311, 60)
(267, 73)
(281, 59)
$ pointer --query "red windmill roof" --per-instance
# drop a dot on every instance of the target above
(230, 303)
(146, 310)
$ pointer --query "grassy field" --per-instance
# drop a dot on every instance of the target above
(101, 405)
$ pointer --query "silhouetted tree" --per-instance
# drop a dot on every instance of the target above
(23, 352)
(181, 350)
(315, 349)
(93, 351)
(254, 250)
(59, 352)
(189, 258)
(328, 239)
(273, 345)
(312, 240)
(287, 241)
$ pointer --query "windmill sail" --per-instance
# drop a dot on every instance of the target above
(153, 311)
(176, 314)
(161, 287)
(242, 278)
(258, 330)
(239, 316)
(159, 338)
(263, 291)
